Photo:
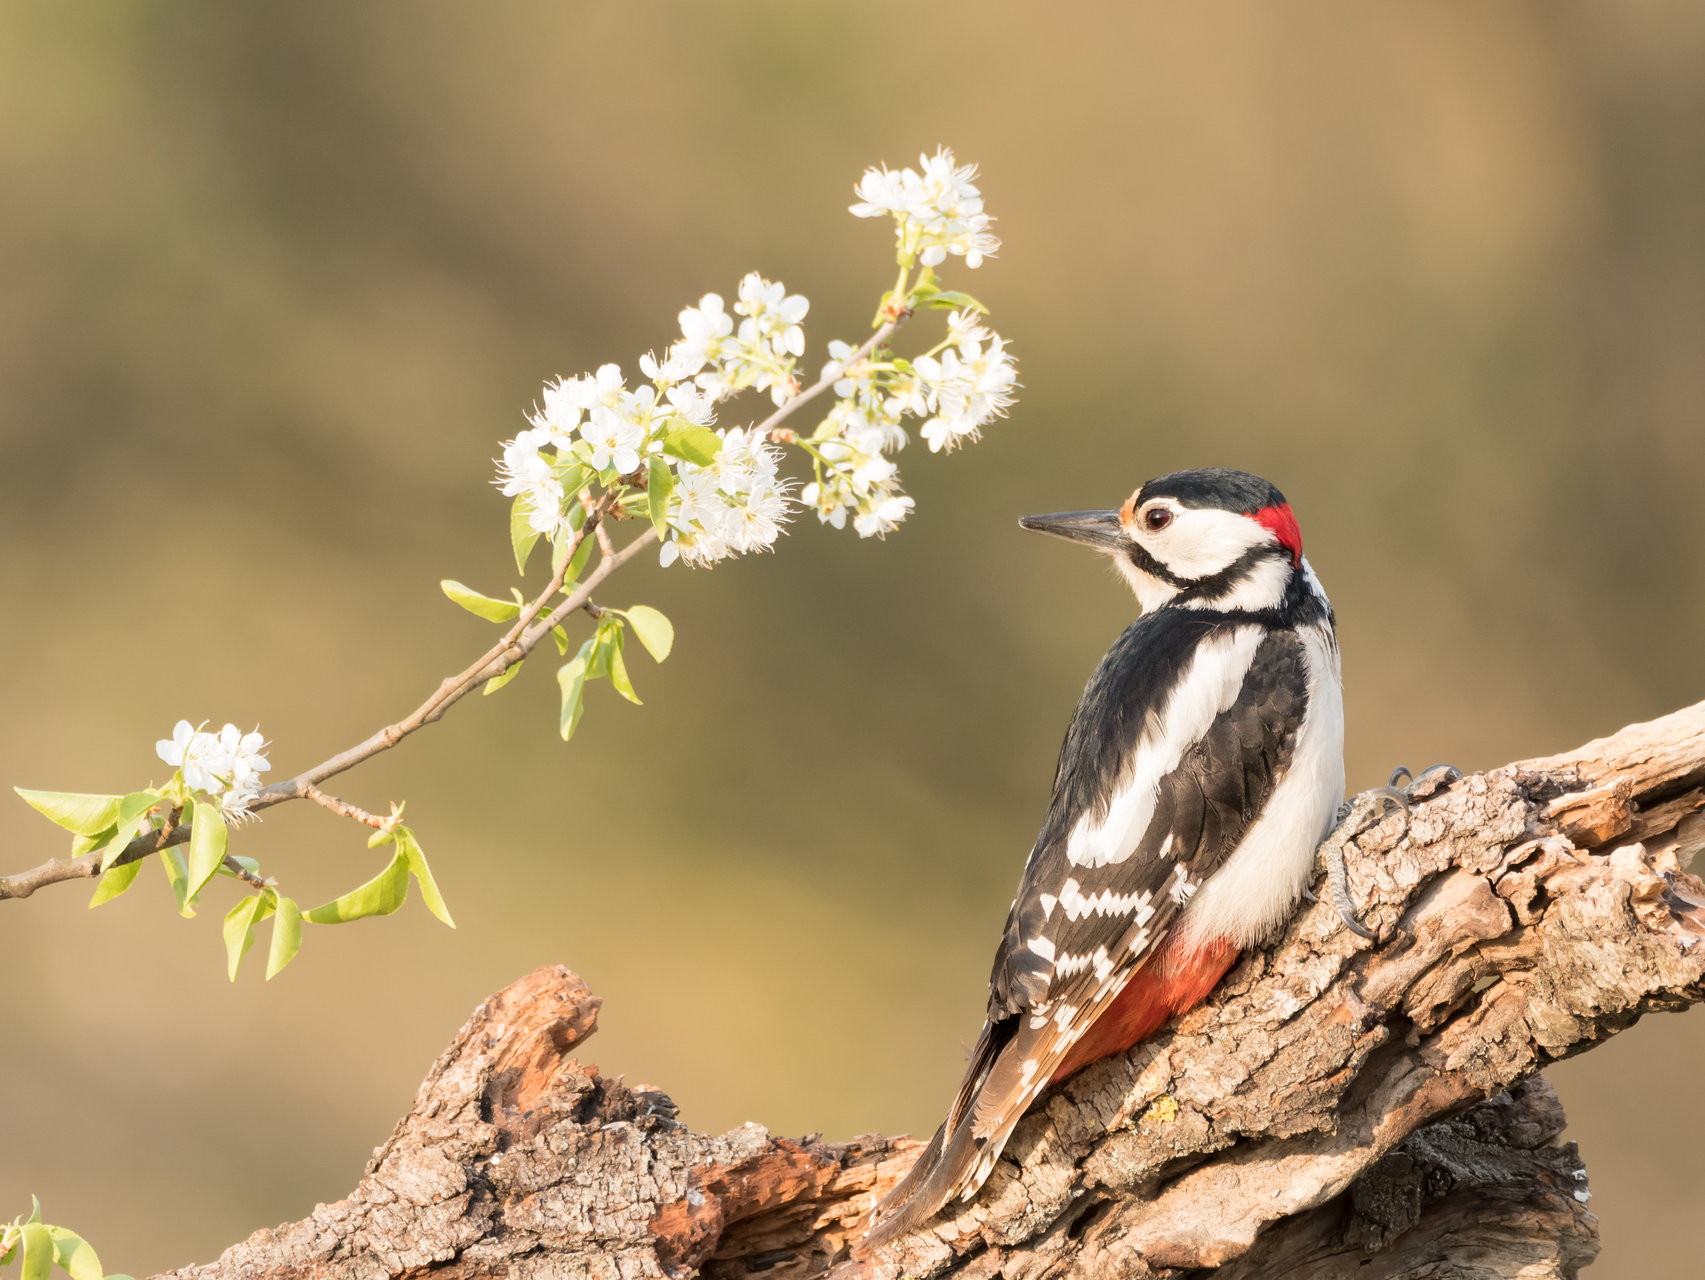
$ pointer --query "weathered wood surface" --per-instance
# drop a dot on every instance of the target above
(1340, 1108)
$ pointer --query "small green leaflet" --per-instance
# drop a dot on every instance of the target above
(208, 840)
(598, 665)
(115, 882)
(522, 535)
(380, 896)
(130, 812)
(82, 815)
(659, 485)
(582, 554)
(286, 936)
(571, 676)
(434, 900)
(953, 300)
(619, 669)
(655, 631)
(497, 682)
(480, 606)
(691, 443)
(172, 862)
(75, 1254)
(240, 924)
(88, 844)
(39, 1252)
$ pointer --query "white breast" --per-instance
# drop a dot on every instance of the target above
(1260, 883)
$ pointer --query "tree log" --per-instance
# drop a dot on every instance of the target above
(1339, 1108)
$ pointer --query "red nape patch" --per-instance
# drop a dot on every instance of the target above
(1284, 526)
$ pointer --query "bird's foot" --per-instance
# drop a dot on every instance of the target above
(1359, 813)
(1355, 816)
(1429, 782)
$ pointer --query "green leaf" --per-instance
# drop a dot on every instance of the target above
(88, 844)
(480, 606)
(380, 896)
(582, 554)
(75, 1254)
(83, 815)
(381, 836)
(497, 682)
(573, 474)
(115, 882)
(655, 631)
(659, 484)
(619, 671)
(571, 676)
(172, 862)
(953, 300)
(560, 636)
(598, 663)
(130, 812)
(240, 924)
(692, 443)
(208, 840)
(560, 549)
(286, 936)
(428, 886)
(522, 535)
(39, 1252)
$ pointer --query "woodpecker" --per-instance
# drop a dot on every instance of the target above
(1203, 766)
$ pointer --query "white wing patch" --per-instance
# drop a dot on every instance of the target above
(1208, 688)
(1075, 903)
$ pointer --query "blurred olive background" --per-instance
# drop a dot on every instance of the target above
(274, 280)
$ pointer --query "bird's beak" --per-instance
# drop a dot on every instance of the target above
(1100, 529)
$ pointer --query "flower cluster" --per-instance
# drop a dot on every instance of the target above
(735, 505)
(225, 766)
(970, 385)
(938, 211)
(711, 495)
(723, 360)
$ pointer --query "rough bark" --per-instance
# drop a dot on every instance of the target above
(1340, 1107)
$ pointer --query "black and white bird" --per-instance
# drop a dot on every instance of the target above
(1202, 768)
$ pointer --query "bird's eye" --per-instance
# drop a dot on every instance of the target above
(1156, 518)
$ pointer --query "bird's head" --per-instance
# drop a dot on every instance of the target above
(1211, 538)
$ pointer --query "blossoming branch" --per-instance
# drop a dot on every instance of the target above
(598, 452)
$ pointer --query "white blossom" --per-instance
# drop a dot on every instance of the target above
(226, 765)
(704, 332)
(736, 505)
(692, 404)
(936, 212)
(557, 420)
(763, 349)
(523, 470)
(971, 385)
(883, 516)
(773, 314)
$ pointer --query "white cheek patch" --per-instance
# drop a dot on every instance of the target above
(1199, 543)
(1263, 587)
(1208, 687)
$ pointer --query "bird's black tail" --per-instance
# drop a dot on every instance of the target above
(950, 1160)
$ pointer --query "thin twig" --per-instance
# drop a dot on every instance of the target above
(882, 334)
(342, 807)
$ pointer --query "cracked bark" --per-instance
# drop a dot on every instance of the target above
(1340, 1108)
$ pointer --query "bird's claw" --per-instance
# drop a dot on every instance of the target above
(1430, 781)
(1354, 817)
